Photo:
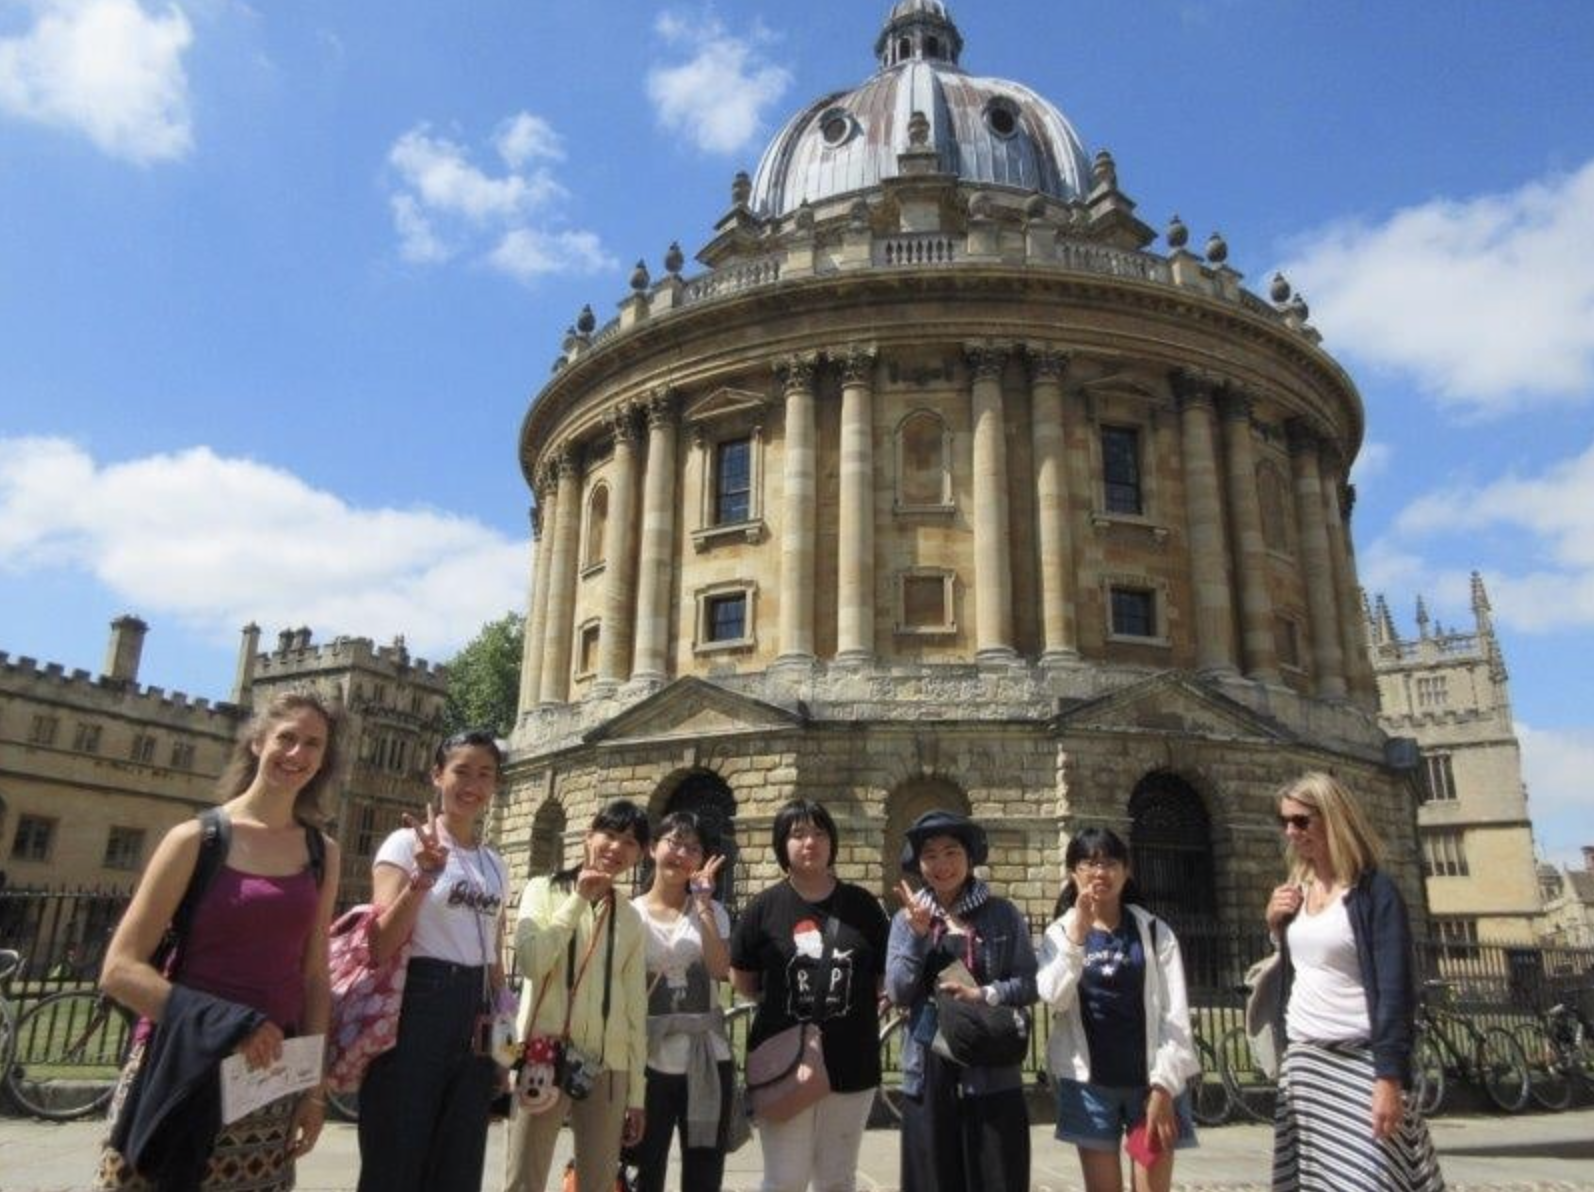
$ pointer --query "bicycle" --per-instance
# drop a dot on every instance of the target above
(1490, 1057)
(10, 962)
(893, 1030)
(1210, 1100)
(1559, 1052)
(70, 1048)
(1253, 1094)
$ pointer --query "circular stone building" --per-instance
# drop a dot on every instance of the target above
(940, 487)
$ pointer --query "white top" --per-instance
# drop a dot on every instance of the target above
(678, 981)
(1327, 1001)
(458, 922)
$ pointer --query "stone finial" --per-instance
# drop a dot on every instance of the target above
(640, 277)
(1422, 617)
(674, 259)
(1217, 248)
(741, 188)
(558, 363)
(1481, 607)
(1279, 290)
(586, 321)
(1299, 308)
(571, 341)
(1178, 234)
(1104, 170)
(918, 130)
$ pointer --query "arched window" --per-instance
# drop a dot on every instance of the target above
(904, 805)
(932, 47)
(1170, 848)
(924, 478)
(597, 526)
(547, 840)
(1274, 498)
(904, 49)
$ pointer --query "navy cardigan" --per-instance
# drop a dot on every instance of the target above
(1382, 931)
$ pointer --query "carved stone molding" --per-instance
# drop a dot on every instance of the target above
(857, 365)
(662, 407)
(986, 361)
(1046, 363)
(1195, 387)
(796, 373)
(622, 423)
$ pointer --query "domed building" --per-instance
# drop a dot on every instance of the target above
(939, 486)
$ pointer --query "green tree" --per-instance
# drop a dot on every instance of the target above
(484, 678)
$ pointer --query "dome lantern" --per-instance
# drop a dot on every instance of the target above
(918, 30)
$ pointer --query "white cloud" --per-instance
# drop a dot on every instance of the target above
(444, 205)
(1477, 300)
(1371, 462)
(222, 541)
(717, 96)
(107, 69)
(1556, 764)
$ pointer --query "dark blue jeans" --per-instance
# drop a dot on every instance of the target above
(424, 1104)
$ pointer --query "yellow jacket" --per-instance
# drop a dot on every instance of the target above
(549, 916)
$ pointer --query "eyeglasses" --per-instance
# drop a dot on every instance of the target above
(681, 844)
(1300, 823)
(1101, 864)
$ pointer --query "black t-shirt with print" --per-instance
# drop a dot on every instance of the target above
(808, 977)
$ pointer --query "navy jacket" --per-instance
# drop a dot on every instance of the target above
(172, 1113)
(1382, 931)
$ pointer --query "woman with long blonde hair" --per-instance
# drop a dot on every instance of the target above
(1347, 1006)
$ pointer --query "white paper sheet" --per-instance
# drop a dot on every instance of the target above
(245, 1089)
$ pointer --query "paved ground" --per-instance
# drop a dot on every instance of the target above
(1542, 1152)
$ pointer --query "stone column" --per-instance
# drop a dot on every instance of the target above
(993, 576)
(537, 610)
(1059, 637)
(1322, 602)
(1259, 647)
(555, 680)
(855, 595)
(1209, 571)
(799, 512)
(619, 554)
(1358, 669)
(650, 663)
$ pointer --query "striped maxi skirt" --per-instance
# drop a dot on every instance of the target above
(1322, 1134)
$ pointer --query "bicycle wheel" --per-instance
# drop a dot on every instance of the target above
(892, 1034)
(1209, 1096)
(70, 1049)
(1503, 1069)
(1428, 1077)
(1549, 1082)
(1252, 1092)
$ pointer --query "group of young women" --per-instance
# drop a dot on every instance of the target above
(630, 990)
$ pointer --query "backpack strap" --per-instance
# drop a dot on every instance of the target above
(215, 839)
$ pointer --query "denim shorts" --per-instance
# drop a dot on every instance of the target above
(1096, 1116)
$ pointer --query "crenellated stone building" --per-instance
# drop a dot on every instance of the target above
(95, 769)
(1448, 690)
(940, 486)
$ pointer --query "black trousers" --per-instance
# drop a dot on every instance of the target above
(957, 1143)
(702, 1168)
(424, 1104)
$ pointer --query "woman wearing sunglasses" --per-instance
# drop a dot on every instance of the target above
(1347, 1006)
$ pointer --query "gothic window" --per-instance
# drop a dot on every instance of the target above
(1439, 779)
(1432, 692)
(35, 834)
(143, 748)
(1444, 854)
(733, 481)
(924, 463)
(87, 739)
(1273, 497)
(44, 730)
(124, 848)
(1121, 470)
(182, 755)
(597, 527)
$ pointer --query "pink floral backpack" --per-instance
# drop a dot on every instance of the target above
(366, 998)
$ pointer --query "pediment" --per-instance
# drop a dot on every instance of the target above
(693, 709)
(726, 402)
(1172, 703)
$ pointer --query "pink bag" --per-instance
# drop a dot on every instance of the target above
(366, 998)
(786, 1073)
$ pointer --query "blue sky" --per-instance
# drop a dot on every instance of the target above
(277, 281)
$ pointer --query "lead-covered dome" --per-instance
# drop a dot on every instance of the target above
(987, 131)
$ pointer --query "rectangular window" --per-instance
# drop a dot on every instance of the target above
(182, 755)
(365, 832)
(733, 481)
(1459, 936)
(726, 617)
(87, 739)
(35, 834)
(1120, 462)
(587, 655)
(124, 848)
(1444, 855)
(1134, 612)
(1288, 636)
(924, 601)
(44, 730)
(1439, 780)
(1432, 692)
(143, 749)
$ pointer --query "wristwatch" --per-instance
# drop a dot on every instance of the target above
(993, 995)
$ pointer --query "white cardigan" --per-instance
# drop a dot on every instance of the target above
(1170, 1051)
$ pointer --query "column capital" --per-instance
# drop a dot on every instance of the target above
(621, 422)
(1235, 402)
(1047, 363)
(565, 462)
(857, 364)
(661, 406)
(1301, 436)
(1194, 387)
(796, 372)
(987, 360)
(534, 516)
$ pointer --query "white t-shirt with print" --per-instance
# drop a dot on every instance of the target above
(682, 985)
(458, 922)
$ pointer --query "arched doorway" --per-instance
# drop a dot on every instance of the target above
(1170, 847)
(546, 855)
(904, 805)
(707, 796)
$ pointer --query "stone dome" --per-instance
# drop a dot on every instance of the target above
(987, 131)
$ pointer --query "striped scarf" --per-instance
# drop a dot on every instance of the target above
(975, 895)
